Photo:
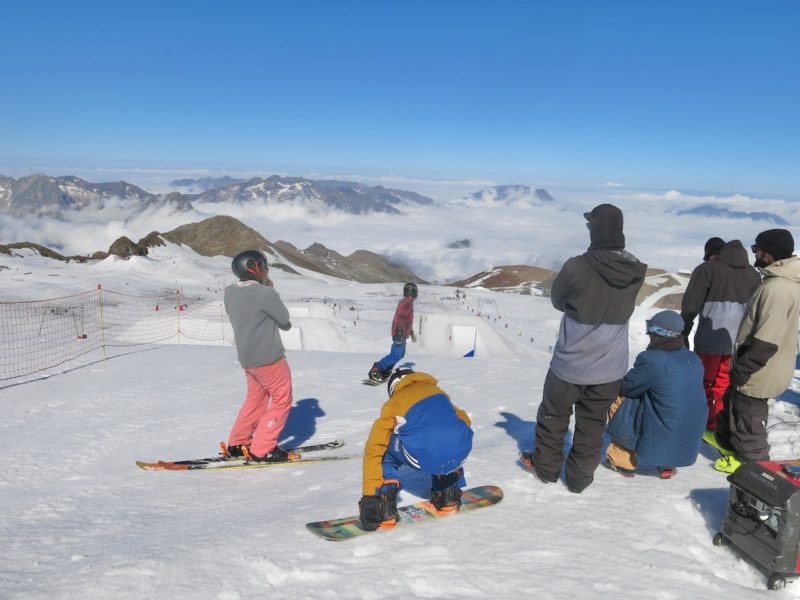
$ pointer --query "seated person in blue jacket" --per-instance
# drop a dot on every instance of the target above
(660, 417)
(419, 427)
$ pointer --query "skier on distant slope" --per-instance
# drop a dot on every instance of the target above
(402, 328)
(256, 313)
(421, 428)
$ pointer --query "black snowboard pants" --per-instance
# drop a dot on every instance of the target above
(591, 404)
(742, 425)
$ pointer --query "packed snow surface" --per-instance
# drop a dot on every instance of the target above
(80, 520)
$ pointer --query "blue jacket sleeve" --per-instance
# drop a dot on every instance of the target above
(639, 379)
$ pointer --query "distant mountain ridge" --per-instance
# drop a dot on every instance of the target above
(347, 196)
(39, 195)
(508, 194)
(709, 210)
(44, 195)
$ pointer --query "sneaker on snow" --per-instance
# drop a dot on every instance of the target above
(666, 472)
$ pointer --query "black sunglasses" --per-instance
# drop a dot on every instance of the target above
(754, 248)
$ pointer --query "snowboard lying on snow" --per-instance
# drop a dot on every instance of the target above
(350, 527)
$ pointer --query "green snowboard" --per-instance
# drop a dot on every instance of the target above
(350, 527)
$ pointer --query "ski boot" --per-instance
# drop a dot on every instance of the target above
(445, 493)
(276, 455)
(237, 451)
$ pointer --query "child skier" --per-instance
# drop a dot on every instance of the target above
(402, 328)
(256, 313)
(418, 427)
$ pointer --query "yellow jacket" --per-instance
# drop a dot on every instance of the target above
(427, 423)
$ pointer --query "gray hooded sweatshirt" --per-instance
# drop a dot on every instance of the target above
(257, 313)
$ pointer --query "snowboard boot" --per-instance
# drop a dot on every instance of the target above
(526, 458)
(609, 464)
(388, 496)
(445, 493)
(375, 374)
(728, 464)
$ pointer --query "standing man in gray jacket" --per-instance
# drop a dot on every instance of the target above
(596, 291)
(765, 354)
(717, 293)
(257, 313)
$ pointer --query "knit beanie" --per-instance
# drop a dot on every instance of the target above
(605, 227)
(777, 242)
(713, 246)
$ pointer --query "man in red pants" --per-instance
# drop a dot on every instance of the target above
(718, 292)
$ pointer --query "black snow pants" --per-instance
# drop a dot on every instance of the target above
(742, 425)
(591, 404)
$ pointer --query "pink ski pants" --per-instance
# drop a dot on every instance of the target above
(265, 409)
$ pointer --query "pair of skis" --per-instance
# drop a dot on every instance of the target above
(225, 461)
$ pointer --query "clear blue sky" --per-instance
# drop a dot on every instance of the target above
(701, 94)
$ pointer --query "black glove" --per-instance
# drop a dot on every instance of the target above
(369, 511)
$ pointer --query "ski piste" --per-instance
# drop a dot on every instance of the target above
(240, 462)
(349, 527)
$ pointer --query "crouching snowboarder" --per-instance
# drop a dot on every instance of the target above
(421, 428)
(660, 417)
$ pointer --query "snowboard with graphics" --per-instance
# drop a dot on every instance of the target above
(350, 527)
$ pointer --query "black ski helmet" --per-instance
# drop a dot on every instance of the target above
(410, 289)
(395, 378)
(249, 265)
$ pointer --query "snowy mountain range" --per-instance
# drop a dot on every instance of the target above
(507, 195)
(40, 195)
(709, 210)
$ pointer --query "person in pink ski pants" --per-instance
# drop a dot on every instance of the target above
(257, 314)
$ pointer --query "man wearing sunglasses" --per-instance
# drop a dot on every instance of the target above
(766, 347)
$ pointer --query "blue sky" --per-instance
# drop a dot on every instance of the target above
(680, 94)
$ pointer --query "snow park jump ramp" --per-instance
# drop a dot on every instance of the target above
(447, 334)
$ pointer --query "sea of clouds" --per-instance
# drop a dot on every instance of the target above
(541, 234)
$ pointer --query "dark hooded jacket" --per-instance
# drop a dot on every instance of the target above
(718, 292)
(596, 291)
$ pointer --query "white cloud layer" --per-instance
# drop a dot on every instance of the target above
(543, 235)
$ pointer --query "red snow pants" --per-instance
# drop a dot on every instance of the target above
(716, 371)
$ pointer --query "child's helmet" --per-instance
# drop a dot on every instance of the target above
(249, 264)
(410, 289)
(395, 378)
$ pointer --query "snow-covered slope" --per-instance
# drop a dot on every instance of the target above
(81, 521)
